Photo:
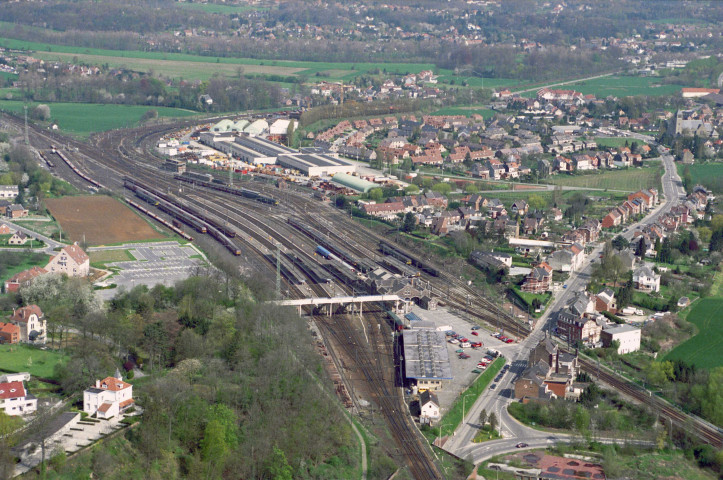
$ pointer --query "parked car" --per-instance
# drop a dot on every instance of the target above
(464, 339)
(476, 327)
(463, 356)
(476, 344)
(454, 341)
(493, 386)
(449, 333)
(477, 370)
(509, 340)
(475, 334)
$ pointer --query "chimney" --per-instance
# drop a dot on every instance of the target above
(557, 361)
(97, 384)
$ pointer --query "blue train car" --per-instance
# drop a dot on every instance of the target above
(323, 251)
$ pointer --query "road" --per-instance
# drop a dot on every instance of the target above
(497, 400)
(49, 242)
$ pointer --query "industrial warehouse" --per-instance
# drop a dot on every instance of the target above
(255, 150)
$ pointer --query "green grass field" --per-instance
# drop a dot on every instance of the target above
(619, 86)
(708, 174)
(22, 358)
(216, 8)
(630, 180)
(615, 142)
(29, 260)
(82, 119)
(704, 349)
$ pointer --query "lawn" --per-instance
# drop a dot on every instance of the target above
(615, 142)
(704, 349)
(453, 417)
(710, 175)
(28, 260)
(656, 465)
(23, 358)
(216, 8)
(82, 119)
(629, 180)
(101, 257)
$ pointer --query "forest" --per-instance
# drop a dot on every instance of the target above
(233, 386)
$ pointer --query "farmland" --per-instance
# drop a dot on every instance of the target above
(99, 220)
(703, 350)
(708, 174)
(82, 119)
(22, 358)
(629, 180)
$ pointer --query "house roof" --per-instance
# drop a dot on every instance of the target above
(76, 253)
(9, 328)
(427, 397)
(22, 314)
(11, 390)
(27, 275)
(105, 407)
(113, 384)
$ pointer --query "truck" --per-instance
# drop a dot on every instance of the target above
(492, 352)
(628, 311)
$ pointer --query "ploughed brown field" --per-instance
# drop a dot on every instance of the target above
(103, 220)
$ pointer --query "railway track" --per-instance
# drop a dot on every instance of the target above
(384, 391)
(694, 426)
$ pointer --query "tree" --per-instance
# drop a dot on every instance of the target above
(278, 467)
(492, 421)
(41, 112)
(536, 202)
(625, 295)
(411, 189)
(410, 222)
(290, 134)
(620, 243)
(483, 417)
(376, 194)
(442, 187)
(471, 188)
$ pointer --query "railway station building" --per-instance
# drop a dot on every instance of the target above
(426, 360)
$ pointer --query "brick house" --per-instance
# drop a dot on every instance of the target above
(23, 278)
(17, 211)
(9, 333)
(539, 280)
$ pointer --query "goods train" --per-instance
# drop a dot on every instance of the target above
(391, 250)
(75, 169)
(363, 264)
(207, 181)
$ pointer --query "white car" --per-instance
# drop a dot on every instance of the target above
(454, 341)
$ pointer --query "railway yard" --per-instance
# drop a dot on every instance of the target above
(259, 229)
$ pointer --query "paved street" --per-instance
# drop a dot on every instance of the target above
(497, 400)
(50, 244)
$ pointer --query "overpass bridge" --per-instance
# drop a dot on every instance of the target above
(342, 300)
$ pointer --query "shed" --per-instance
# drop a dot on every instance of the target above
(355, 183)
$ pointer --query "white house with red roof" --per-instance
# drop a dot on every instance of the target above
(71, 260)
(110, 397)
(15, 400)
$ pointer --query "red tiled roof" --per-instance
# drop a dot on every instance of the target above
(23, 314)
(113, 384)
(9, 328)
(105, 407)
(11, 390)
(125, 403)
(27, 275)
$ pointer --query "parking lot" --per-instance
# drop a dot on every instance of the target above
(163, 262)
(462, 375)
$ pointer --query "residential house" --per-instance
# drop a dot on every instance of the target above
(71, 260)
(429, 405)
(15, 399)
(550, 373)
(577, 320)
(569, 259)
(23, 278)
(644, 279)
(5, 230)
(539, 280)
(627, 336)
(605, 301)
(16, 211)
(388, 211)
(9, 191)
(108, 398)
(32, 324)
(520, 207)
(18, 238)
(9, 333)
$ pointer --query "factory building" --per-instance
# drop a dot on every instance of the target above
(355, 183)
(314, 165)
(426, 360)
